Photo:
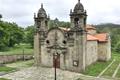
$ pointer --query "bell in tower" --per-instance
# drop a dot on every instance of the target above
(41, 20)
(78, 16)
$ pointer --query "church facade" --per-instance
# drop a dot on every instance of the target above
(71, 48)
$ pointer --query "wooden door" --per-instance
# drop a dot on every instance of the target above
(56, 61)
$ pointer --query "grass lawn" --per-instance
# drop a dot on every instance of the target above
(111, 69)
(118, 74)
(96, 68)
(21, 64)
(6, 69)
(18, 49)
(4, 79)
(117, 57)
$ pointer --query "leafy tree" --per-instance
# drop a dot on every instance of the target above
(52, 23)
(16, 34)
(29, 35)
(3, 40)
(10, 34)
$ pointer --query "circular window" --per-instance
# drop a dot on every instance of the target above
(64, 42)
(47, 41)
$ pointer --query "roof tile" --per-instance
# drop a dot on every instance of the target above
(91, 38)
(102, 37)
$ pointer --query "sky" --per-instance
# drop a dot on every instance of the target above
(22, 11)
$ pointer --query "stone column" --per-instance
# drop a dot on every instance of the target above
(37, 50)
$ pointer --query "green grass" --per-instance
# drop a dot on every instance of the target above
(111, 69)
(30, 63)
(18, 49)
(79, 79)
(117, 57)
(6, 69)
(21, 64)
(96, 68)
(118, 74)
(4, 79)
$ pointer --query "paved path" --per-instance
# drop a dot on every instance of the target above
(34, 73)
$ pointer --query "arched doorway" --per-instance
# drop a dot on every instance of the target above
(56, 60)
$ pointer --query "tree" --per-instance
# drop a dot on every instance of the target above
(10, 34)
(52, 23)
(16, 34)
(29, 35)
(3, 38)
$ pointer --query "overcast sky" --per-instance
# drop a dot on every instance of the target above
(22, 11)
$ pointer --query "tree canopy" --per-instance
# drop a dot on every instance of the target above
(10, 34)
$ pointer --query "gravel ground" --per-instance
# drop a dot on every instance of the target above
(34, 73)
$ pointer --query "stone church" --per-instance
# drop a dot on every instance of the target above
(72, 48)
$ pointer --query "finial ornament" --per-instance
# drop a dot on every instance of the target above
(0, 16)
(49, 16)
(34, 15)
(56, 22)
(78, 0)
(70, 10)
(85, 11)
(41, 5)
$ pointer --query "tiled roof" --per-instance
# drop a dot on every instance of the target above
(102, 37)
(91, 38)
(88, 27)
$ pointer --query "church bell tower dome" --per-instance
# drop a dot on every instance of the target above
(79, 7)
(78, 16)
(42, 12)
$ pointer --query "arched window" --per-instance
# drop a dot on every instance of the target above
(76, 21)
(38, 24)
(46, 23)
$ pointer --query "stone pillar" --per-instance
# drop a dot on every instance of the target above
(37, 50)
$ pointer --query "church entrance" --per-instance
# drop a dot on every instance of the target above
(56, 61)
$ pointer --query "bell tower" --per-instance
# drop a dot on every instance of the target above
(41, 20)
(77, 36)
(41, 25)
(78, 16)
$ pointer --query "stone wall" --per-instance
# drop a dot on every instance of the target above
(75, 58)
(104, 51)
(47, 53)
(13, 58)
(91, 55)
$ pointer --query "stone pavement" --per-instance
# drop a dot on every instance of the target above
(34, 73)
